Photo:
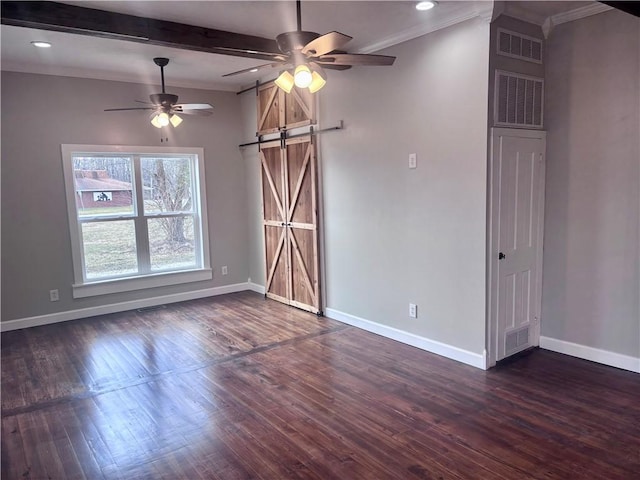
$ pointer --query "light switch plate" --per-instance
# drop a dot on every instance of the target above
(413, 160)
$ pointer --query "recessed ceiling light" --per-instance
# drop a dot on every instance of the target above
(253, 70)
(41, 44)
(426, 5)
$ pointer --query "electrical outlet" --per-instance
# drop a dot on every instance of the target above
(54, 295)
(225, 270)
(413, 310)
(413, 160)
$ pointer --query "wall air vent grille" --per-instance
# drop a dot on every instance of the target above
(516, 340)
(519, 100)
(516, 45)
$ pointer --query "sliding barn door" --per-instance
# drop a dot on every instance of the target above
(289, 192)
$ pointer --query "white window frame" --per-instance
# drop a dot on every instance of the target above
(84, 287)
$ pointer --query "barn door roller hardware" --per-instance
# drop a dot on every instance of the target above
(284, 135)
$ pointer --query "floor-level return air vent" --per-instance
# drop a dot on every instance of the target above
(518, 100)
(516, 340)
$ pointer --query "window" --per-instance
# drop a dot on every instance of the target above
(137, 217)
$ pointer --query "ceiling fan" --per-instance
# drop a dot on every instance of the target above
(165, 107)
(307, 53)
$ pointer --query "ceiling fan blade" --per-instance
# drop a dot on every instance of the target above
(200, 112)
(354, 59)
(328, 66)
(258, 67)
(193, 106)
(260, 55)
(326, 43)
(131, 108)
(183, 109)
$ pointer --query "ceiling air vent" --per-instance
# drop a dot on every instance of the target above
(516, 45)
(518, 100)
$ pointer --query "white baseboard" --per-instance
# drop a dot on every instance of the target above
(474, 359)
(120, 307)
(605, 357)
(255, 287)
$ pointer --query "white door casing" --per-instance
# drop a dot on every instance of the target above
(516, 220)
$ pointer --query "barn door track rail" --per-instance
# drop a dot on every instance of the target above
(284, 135)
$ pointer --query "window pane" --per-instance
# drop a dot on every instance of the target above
(167, 184)
(171, 243)
(109, 248)
(103, 186)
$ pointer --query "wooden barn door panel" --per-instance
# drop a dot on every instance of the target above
(289, 196)
(274, 220)
(276, 249)
(304, 272)
(278, 110)
(270, 108)
(298, 108)
(273, 187)
(302, 221)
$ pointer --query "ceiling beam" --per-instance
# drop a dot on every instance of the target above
(100, 23)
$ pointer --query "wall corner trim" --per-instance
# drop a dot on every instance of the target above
(120, 307)
(477, 360)
(254, 287)
(597, 355)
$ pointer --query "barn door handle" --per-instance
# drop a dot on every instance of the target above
(283, 224)
(501, 256)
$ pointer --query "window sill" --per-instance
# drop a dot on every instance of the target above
(138, 283)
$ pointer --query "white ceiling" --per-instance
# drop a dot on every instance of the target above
(373, 24)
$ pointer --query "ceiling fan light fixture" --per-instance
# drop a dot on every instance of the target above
(302, 76)
(426, 5)
(175, 120)
(317, 82)
(163, 119)
(160, 120)
(285, 81)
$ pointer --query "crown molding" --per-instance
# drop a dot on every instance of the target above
(572, 15)
(482, 10)
(581, 12)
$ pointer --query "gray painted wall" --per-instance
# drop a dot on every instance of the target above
(40, 112)
(591, 284)
(393, 235)
(255, 253)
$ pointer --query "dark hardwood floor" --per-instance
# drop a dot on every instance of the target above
(239, 387)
